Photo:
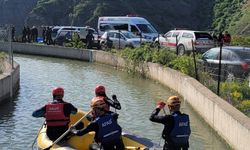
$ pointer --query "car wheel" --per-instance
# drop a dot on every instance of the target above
(181, 49)
(156, 44)
(129, 46)
(103, 46)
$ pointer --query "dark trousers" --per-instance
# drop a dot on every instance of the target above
(54, 132)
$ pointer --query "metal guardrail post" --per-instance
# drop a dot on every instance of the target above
(195, 67)
(219, 73)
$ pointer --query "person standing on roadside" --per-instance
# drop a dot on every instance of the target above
(176, 130)
(227, 38)
(24, 32)
(89, 39)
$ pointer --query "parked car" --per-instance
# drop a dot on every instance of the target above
(122, 38)
(181, 40)
(64, 37)
(83, 31)
(235, 61)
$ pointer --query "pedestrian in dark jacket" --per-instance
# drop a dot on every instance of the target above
(24, 32)
(89, 39)
(57, 114)
(176, 130)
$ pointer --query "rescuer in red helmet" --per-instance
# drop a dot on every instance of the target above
(56, 113)
(101, 91)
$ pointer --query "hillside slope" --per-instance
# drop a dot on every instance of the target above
(218, 15)
(164, 15)
(15, 11)
(232, 15)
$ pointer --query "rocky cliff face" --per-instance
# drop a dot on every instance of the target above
(15, 11)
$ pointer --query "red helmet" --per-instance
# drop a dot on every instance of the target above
(58, 91)
(99, 89)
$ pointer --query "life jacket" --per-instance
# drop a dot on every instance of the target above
(108, 129)
(55, 115)
(181, 131)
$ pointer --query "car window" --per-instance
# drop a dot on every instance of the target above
(211, 54)
(234, 57)
(105, 27)
(203, 35)
(146, 28)
(120, 26)
(175, 34)
(134, 29)
(168, 34)
(111, 34)
(118, 35)
(243, 54)
(129, 35)
(187, 35)
(225, 55)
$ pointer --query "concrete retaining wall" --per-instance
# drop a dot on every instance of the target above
(9, 85)
(48, 50)
(231, 124)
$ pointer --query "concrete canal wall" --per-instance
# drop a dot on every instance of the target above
(9, 81)
(231, 124)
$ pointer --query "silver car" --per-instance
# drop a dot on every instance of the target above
(122, 39)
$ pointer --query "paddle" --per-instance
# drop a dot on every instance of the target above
(65, 133)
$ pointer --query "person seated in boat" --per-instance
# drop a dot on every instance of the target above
(57, 114)
(107, 130)
(176, 130)
(101, 92)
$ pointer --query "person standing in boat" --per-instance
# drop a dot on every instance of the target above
(107, 130)
(176, 130)
(100, 91)
(57, 114)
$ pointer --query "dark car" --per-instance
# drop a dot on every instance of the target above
(64, 37)
(235, 61)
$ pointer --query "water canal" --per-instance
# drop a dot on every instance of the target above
(138, 96)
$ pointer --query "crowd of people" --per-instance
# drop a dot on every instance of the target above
(29, 34)
(103, 121)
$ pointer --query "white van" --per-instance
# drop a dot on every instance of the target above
(133, 24)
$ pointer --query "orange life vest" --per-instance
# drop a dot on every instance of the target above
(55, 115)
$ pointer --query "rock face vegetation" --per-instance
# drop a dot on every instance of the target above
(219, 15)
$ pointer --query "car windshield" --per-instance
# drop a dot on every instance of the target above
(243, 54)
(129, 35)
(54, 32)
(203, 35)
(146, 28)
